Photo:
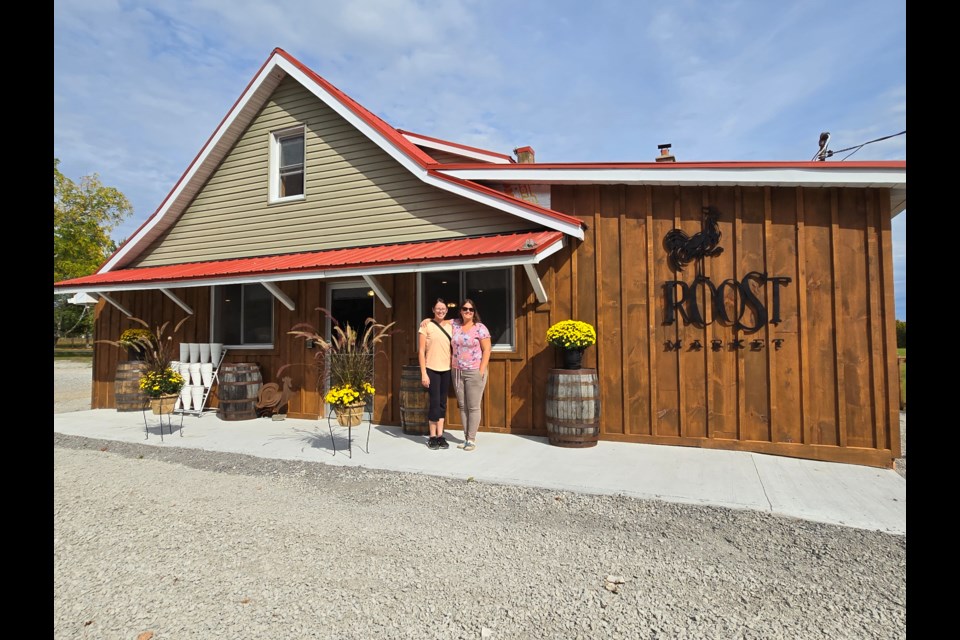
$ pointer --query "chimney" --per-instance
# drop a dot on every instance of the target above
(665, 155)
(524, 155)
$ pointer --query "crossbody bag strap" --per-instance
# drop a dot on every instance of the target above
(442, 329)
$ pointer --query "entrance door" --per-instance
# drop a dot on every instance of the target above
(349, 303)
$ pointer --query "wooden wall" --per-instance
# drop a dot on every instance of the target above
(829, 392)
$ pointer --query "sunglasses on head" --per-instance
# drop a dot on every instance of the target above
(466, 308)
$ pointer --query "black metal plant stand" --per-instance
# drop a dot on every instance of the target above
(146, 427)
(332, 416)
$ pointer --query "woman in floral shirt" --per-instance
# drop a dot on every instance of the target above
(470, 346)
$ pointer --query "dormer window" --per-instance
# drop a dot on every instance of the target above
(286, 165)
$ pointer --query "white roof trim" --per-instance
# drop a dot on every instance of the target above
(180, 303)
(280, 295)
(145, 235)
(459, 151)
(825, 177)
(157, 224)
(379, 290)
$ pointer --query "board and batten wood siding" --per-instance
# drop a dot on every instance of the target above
(829, 392)
(355, 195)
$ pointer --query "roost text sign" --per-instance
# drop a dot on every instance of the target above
(686, 299)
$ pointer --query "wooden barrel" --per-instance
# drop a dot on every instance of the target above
(126, 386)
(414, 402)
(573, 407)
(239, 388)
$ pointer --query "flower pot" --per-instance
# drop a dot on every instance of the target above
(196, 395)
(216, 348)
(572, 358)
(350, 415)
(194, 351)
(185, 397)
(204, 348)
(184, 352)
(163, 404)
(206, 373)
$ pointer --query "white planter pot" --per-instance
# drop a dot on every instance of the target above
(184, 370)
(194, 352)
(185, 397)
(206, 373)
(204, 352)
(196, 393)
(184, 352)
(195, 374)
(216, 348)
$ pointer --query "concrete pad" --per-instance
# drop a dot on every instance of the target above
(851, 495)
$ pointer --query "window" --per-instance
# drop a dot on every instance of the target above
(243, 315)
(490, 289)
(286, 165)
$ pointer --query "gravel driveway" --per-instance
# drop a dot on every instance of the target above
(190, 544)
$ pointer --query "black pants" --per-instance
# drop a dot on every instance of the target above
(439, 387)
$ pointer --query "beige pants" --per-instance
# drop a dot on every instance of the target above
(469, 386)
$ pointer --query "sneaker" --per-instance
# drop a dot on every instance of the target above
(442, 442)
(433, 444)
(462, 445)
(470, 446)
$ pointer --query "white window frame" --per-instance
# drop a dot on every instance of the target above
(240, 347)
(275, 138)
(512, 304)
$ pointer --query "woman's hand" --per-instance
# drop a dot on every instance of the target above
(424, 323)
(425, 380)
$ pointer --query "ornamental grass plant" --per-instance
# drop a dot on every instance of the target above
(572, 335)
(345, 362)
(156, 345)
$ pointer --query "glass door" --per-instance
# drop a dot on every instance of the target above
(350, 303)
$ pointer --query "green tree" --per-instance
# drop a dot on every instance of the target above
(901, 334)
(84, 214)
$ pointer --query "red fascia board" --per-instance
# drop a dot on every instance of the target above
(374, 121)
(767, 164)
(192, 162)
(476, 186)
(328, 260)
(458, 145)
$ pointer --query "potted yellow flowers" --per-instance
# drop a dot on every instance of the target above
(349, 401)
(572, 337)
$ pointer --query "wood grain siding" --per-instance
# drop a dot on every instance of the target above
(829, 392)
(356, 195)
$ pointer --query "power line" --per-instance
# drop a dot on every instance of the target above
(827, 154)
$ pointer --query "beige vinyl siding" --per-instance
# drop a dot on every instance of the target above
(449, 158)
(356, 195)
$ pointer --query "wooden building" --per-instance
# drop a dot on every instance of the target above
(777, 336)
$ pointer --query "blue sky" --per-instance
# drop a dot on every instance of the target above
(140, 86)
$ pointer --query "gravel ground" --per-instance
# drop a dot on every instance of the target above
(189, 544)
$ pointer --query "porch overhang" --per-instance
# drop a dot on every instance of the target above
(524, 248)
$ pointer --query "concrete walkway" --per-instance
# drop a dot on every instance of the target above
(844, 494)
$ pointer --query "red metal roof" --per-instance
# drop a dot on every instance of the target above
(726, 164)
(515, 244)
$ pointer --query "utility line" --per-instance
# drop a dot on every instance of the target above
(856, 148)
